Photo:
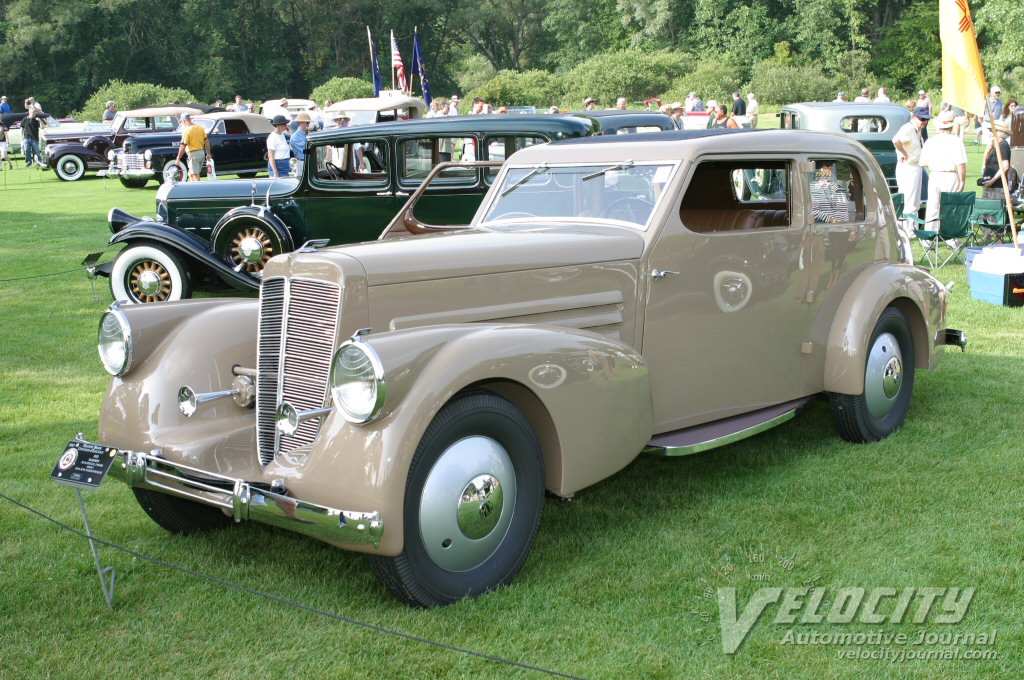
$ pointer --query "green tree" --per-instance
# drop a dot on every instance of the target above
(920, 66)
(512, 88)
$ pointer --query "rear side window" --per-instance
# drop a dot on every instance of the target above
(137, 123)
(863, 124)
(235, 127)
(165, 123)
(837, 193)
(499, 148)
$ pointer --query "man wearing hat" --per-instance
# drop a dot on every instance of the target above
(278, 151)
(196, 143)
(298, 140)
(908, 143)
(678, 111)
(589, 103)
(5, 107)
(946, 159)
(453, 105)
(993, 184)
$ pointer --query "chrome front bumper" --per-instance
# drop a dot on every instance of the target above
(130, 173)
(245, 501)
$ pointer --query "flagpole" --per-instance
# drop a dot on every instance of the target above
(392, 50)
(412, 76)
(1006, 189)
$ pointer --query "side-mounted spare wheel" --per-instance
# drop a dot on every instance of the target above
(149, 273)
(888, 383)
(69, 167)
(247, 241)
(473, 503)
(180, 516)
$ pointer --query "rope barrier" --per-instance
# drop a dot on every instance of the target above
(43, 276)
(291, 603)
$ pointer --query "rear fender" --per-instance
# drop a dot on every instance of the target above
(196, 250)
(588, 398)
(916, 293)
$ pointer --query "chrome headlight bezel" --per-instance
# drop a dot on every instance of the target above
(370, 369)
(122, 364)
(147, 154)
(110, 155)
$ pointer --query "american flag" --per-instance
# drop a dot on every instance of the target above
(396, 63)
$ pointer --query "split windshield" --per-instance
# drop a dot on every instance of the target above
(618, 191)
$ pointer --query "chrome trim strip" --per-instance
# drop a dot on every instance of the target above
(739, 435)
(246, 502)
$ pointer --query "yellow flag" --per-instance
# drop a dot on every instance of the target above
(963, 80)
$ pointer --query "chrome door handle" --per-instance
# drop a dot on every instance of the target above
(384, 193)
(401, 193)
(658, 274)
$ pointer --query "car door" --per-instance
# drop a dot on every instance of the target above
(726, 316)
(226, 144)
(348, 189)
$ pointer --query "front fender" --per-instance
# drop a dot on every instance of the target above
(194, 343)
(87, 154)
(588, 398)
(915, 292)
(194, 248)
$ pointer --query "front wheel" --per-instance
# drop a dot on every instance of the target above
(180, 516)
(70, 168)
(473, 503)
(888, 384)
(247, 243)
(134, 182)
(148, 273)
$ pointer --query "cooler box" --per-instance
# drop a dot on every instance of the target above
(996, 275)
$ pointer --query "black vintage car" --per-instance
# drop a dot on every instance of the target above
(238, 144)
(621, 122)
(353, 181)
(71, 154)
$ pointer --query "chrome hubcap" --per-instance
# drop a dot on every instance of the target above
(250, 250)
(149, 282)
(884, 375)
(463, 515)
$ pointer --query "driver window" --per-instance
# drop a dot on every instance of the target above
(837, 194)
(135, 123)
(419, 156)
(357, 162)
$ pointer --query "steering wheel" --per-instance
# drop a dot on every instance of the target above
(333, 170)
(629, 209)
(514, 215)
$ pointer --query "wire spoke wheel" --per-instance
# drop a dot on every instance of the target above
(249, 249)
(149, 281)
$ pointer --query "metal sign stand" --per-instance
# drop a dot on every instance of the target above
(108, 575)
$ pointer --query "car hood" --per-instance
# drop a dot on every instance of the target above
(233, 188)
(153, 140)
(473, 252)
(74, 136)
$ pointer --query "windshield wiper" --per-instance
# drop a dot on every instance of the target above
(621, 166)
(543, 167)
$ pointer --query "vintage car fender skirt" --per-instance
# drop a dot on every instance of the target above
(473, 503)
(148, 273)
(247, 241)
(69, 167)
(888, 384)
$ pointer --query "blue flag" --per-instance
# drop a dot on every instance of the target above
(378, 82)
(419, 68)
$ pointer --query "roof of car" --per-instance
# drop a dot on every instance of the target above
(454, 125)
(254, 121)
(160, 111)
(686, 144)
(378, 104)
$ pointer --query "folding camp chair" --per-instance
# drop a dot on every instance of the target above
(955, 209)
(989, 220)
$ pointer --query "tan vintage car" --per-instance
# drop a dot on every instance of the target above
(413, 398)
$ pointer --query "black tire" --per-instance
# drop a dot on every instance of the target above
(180, 516)
(247, 175)
(134, 182)
(69, 167)
(247, 243)
(888, 384)
(149, 273)
(477, 440)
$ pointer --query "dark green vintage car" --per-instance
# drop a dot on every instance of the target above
(212, 235)
(872, 124)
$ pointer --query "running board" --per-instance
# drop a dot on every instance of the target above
(711, 435)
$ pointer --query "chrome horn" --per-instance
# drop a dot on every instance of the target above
(243, 390)
(289, 418)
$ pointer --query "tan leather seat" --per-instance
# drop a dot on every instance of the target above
(713, 220)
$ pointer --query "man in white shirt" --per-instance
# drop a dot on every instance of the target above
(946, 159)
(907, 141)
(864, 97)
(883, 96)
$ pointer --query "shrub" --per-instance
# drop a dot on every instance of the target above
(777, 84)
(512, 88)
(472, 71)
(130, 96)
(339, 89)
(634, 74)
(711, 79)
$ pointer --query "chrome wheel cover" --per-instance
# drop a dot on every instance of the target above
(467, 503)
(250, 247)
(883, 377)
(149, 281)
(172, 173)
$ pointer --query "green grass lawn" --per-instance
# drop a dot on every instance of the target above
(618, 580)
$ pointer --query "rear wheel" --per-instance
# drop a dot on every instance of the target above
(888, 384)
(180, 516)
(148, 273)
(69, 168)
(473, 503)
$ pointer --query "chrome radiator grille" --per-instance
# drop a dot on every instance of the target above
(297, 334)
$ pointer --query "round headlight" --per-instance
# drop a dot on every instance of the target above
(148, 154)
(357, 382)
(115, 343)
(110, 155)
